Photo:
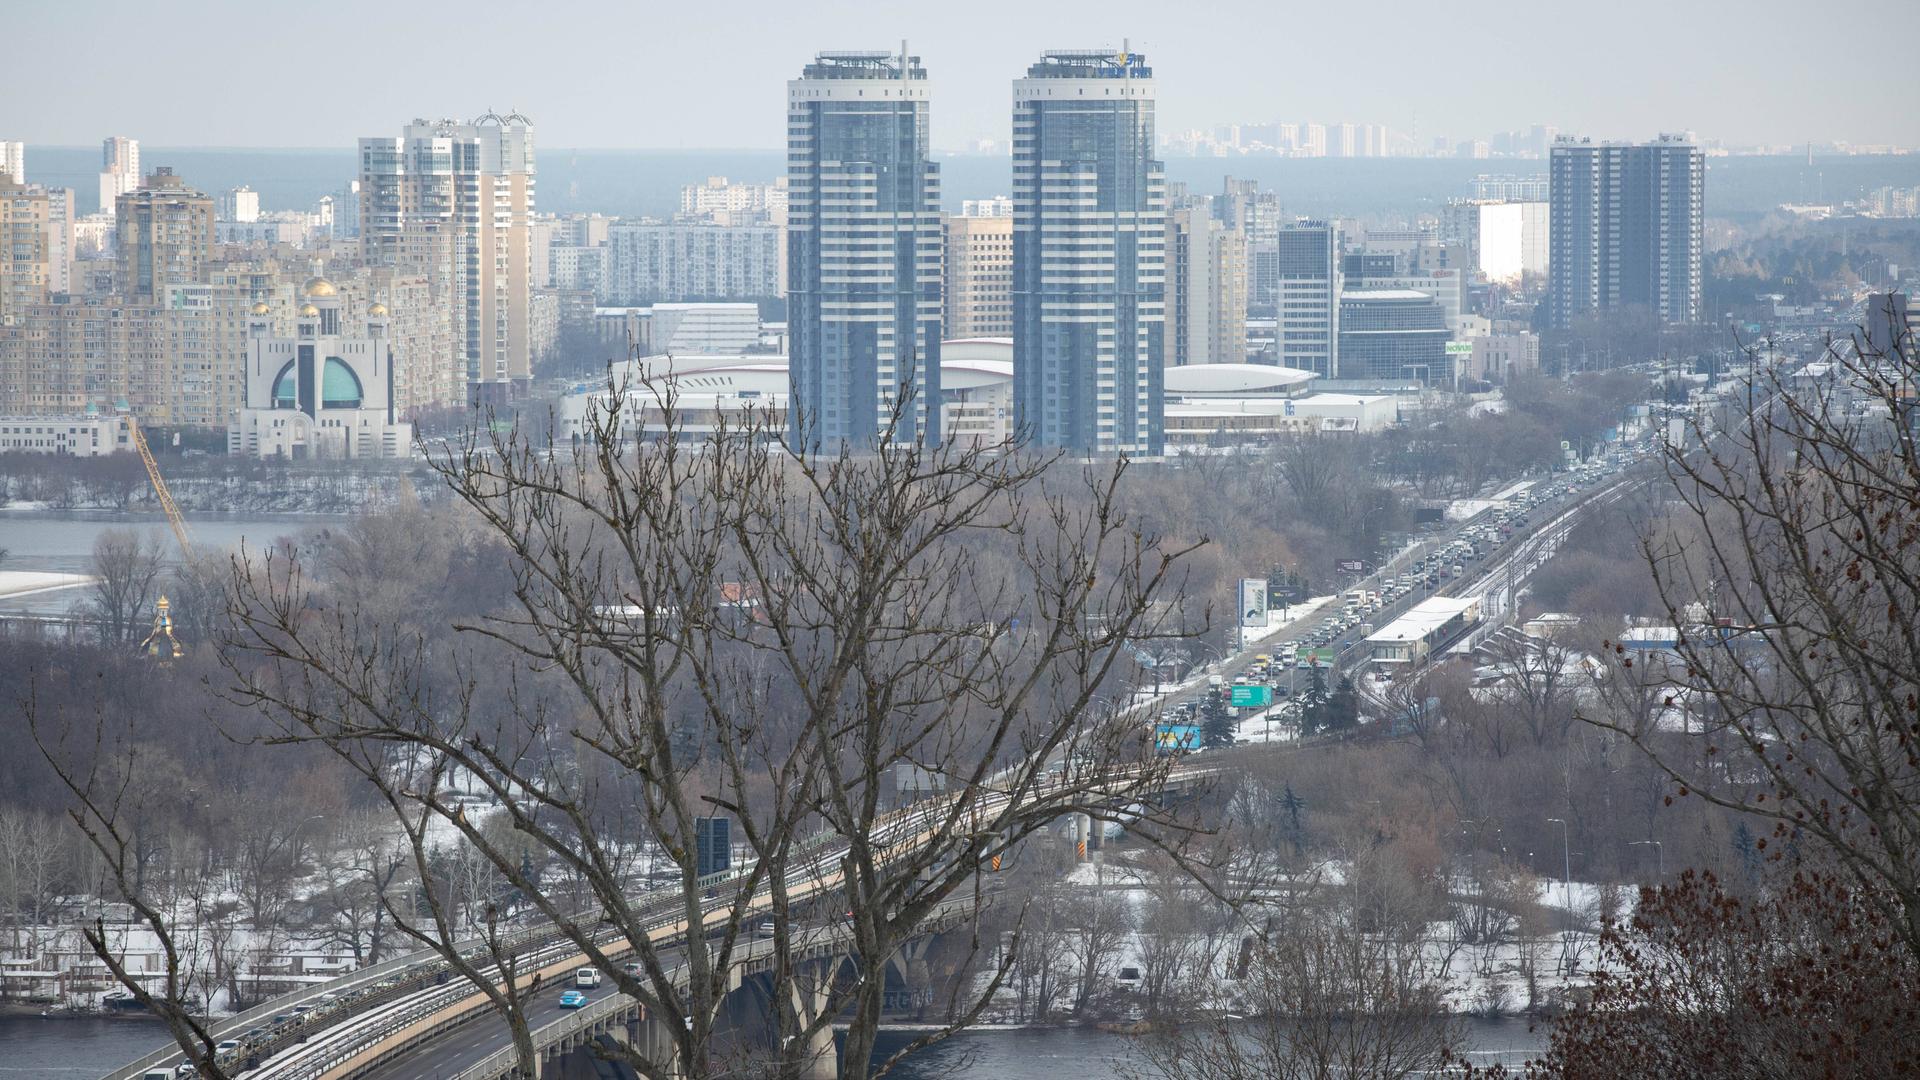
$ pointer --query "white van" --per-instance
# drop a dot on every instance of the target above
(586, 978)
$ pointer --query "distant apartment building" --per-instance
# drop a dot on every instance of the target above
(165, 234)
(1089, 267)
(719, 201)
(863, 251)
(13, 160)
(1249, 211)
(1627, 228)
(119, 170)
(649, 263)
(456, 200)
(979, 277)
(1342, 141)
(1504, 241)
(61, 249)
(25, 263)
(1206, 290)
(1313, 140)
(577, 269)
(240, 204)
(1308, 279)
(1510, 188)
(999, 206)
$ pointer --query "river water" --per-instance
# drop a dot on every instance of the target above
(62, 541)
(35, 1049)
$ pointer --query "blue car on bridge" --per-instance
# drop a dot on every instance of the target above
(572, 999)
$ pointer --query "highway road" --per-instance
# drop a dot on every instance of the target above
(466, 1045)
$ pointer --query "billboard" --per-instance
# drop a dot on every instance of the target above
(1176, 738)
(1459, 348)
(1251, 697)
(1253, 602)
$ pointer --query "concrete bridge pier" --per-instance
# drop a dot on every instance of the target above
(652, 1039)
(822, 1061)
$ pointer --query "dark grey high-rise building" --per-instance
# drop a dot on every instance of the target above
(1626, 228)
(1089, 254)
(1308, 281)
(863, 250)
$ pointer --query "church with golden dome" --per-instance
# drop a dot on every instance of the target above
(322, 393)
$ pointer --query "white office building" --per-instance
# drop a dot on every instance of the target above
(91, 435)
(646, 263)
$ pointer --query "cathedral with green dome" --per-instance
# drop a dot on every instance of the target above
(320, 393)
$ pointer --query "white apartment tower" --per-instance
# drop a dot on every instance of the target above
(119, 169)
(456, 201)
(13, 160)
(240, 204)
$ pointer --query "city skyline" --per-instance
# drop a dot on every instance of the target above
(1554, 75)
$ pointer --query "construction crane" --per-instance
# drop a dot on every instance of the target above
(159, 486)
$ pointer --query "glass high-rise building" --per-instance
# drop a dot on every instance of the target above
(1626, 228)
(1089, 254)
(863, 251)
(1307, 282)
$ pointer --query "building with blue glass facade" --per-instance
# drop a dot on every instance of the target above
(1089, 254)
(1394, 334)
(863, 251)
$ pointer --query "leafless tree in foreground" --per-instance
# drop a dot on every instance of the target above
(711, 625)
(102, 771)
(1794, 579)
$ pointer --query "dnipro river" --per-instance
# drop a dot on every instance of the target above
(36, 1049)
(62, 540)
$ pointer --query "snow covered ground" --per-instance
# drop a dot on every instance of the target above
(17, 583)
(1504, 977)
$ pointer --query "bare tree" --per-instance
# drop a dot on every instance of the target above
(1104, 921)
(100, 769)
(1322, 999)
(718, 627)
(1793, 580)
(125, 565)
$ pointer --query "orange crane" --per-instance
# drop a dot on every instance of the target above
(159, 486)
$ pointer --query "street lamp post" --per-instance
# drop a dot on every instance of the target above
(1566, 856)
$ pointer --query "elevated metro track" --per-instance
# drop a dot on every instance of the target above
(354, 1025)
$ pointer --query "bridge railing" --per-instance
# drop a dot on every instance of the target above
(504, 1061)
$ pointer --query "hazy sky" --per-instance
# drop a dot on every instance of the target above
(712, 74)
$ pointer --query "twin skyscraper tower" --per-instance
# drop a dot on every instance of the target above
(864, 253)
